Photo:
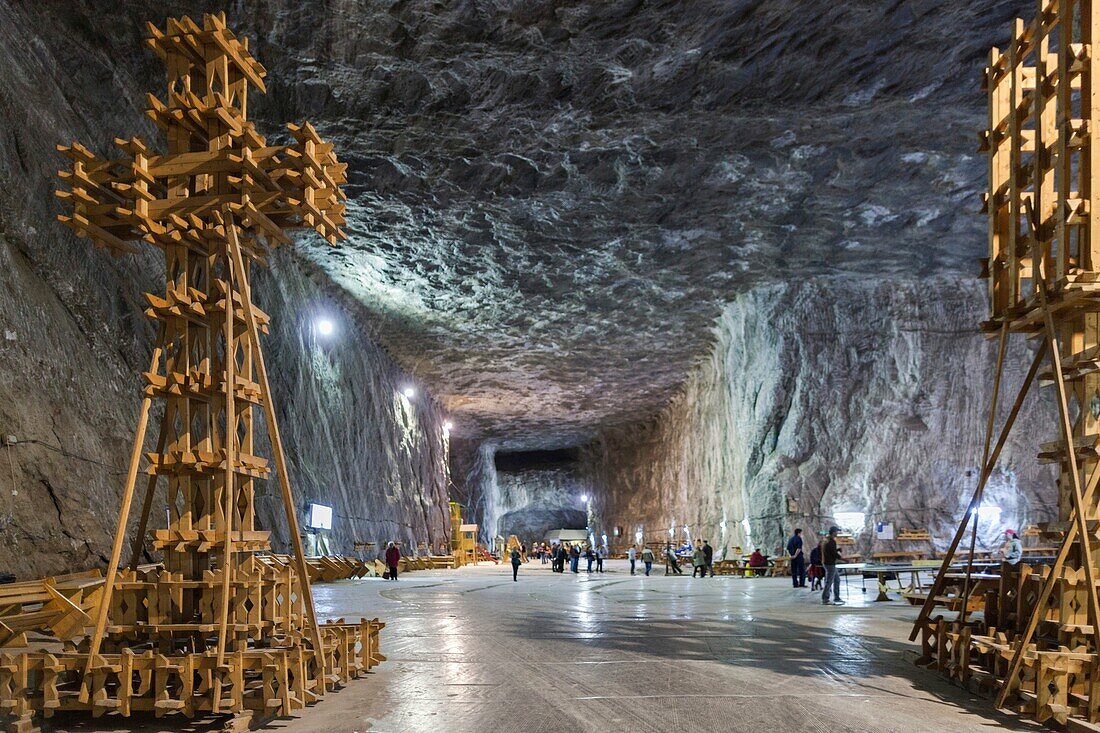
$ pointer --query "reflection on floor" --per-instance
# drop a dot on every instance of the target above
(470, 650)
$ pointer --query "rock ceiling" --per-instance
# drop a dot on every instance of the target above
(551, 201)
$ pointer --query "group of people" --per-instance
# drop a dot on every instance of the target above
(564, 553)
(822, 568)
(702, 560)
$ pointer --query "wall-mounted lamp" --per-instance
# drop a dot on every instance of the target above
(850, 521)
(988, 513)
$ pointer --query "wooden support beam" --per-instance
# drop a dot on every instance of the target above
(277, 450)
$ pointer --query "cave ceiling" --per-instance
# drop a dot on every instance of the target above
(551, 201)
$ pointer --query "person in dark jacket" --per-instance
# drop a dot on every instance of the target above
(589, 556)
(517, 558)
(393, 555)
(574, 559)
(798, 559)
(830, 557)
(708, 559)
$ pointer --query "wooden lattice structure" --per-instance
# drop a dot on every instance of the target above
(463, 538)
(1032, 634)
(219, 627)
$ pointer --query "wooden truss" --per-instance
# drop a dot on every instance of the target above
(217, 627)
(1033, 637)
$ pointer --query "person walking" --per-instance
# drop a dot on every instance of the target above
(830, 558)
(517, 559)
(647, 559)
(393, 556)
(708, 558)
(632, 556)
(798, 559)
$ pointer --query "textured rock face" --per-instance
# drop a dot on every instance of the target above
(73, 339)
(536, 492)
(522, 493)
(837, 396)
(553, 199)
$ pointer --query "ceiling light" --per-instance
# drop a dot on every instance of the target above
(409, 392)
(325, 327)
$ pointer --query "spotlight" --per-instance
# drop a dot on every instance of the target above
(584, 497)
(325, 327)
(409, 392)
(448, 426)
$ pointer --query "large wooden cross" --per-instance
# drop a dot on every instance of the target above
(214, 201)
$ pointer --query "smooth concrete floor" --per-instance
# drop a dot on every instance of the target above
(469, 650)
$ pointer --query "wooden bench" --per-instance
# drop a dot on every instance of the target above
(902, 555)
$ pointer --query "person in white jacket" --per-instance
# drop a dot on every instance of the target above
(1013, 549)
(632, 556)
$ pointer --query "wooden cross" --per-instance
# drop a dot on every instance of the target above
(215, 201)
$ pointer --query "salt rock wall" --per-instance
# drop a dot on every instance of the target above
(522, 493)
(830, 396)
(73, 338)
(535, 496)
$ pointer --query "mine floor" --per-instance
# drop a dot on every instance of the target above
(470, 650)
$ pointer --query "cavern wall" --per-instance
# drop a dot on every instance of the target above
(73, 339)
(538, 491)
(834, 395)
(525, 493)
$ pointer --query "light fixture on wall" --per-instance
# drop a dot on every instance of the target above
(850, 521)
(409, 392)
(638, 536)
(584, 498)
(988, 513)
(448, 426)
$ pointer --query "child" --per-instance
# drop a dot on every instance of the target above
(817, 570)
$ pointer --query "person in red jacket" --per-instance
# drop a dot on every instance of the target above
(392, 556)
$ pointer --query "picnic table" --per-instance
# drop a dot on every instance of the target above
(883, 573)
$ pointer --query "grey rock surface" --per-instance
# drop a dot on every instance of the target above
(551, 202)
(838, 396)
(73, 339)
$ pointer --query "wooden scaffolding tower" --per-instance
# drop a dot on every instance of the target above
(216, 627)
(1032, 634)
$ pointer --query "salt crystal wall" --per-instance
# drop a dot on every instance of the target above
(834, 395)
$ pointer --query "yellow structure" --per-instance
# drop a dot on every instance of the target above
(463, 537)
